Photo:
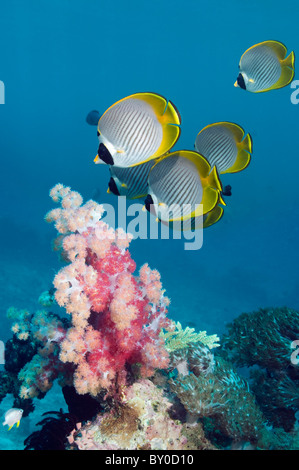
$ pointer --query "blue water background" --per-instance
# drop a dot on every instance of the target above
(61, 58)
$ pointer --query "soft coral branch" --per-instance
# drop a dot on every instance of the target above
(116, 317)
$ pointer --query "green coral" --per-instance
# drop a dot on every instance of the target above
(264, 338)
(225, 396)
(181, 338)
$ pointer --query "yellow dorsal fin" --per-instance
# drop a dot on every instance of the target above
(235, 129)
(198, 160)
(156, 101)
(165, 110)
(278, 47)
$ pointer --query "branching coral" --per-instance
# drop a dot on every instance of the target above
(177, 338)
(116, 317)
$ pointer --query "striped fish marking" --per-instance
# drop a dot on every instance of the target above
(133, 129)
(264, 67)
(132, 182)
(224, 146)
(136, 129)
(182, 178)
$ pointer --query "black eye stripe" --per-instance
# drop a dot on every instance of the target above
(98, 133)
(113, 188)
(241, 82)
(148, 202)
(104, 154)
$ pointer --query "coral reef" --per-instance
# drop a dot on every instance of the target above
(140, 421)
(131, 377)
(263, 339)
(210, 387)
(46, 331)
(31, 362)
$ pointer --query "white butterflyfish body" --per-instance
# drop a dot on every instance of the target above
(264, 67)
(223, 144)
(182, 185)
(137, 129)
(131, 182)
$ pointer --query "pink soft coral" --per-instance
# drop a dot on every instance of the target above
(116, 317)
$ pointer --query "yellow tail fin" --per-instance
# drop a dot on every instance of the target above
(289, 61)
(247, 143)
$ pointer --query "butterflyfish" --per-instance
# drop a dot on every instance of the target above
(265, 66)
(225, 145)
(131, 182)
(182, 185)
(136, 129)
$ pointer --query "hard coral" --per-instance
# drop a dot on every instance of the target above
(264, 339)
(141, 421)
(219, 392)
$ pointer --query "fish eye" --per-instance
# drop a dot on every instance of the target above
(98, 133)
(105, 155)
